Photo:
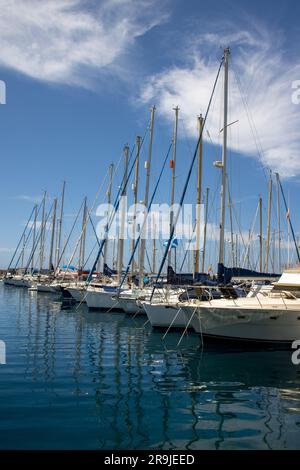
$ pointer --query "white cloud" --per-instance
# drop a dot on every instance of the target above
(28, 198)
(265, 73)
(53, 40)
(38, 225)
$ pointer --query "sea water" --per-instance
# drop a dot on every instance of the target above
(79, 379)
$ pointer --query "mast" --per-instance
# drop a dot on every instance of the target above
(260, 235)
(199, 190)
(135, 197)
(231, 225)
(148, 168)
(42, 233)
(34, 236)
(269, 223)
(205, 229)
(122, 208)
(60, 224)
(23, 250)
(114, 253)
(274, 251)
(111, 172)
(173, 167)
(279, 222)
(224, 161)
(52, 234)
(154, 249)
(189, 251)
(83, 235)
(249, 249)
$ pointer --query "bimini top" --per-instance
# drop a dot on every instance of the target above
(289, 278)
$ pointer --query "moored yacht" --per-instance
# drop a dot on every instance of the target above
(18, 280)
(270, 316)
(103, 298)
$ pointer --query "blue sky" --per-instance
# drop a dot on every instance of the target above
(81, 76)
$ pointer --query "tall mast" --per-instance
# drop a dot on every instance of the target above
(154, 249)
(199, 190)
(135, 197)
(34, 236)
(173, 166)
(231, 225)
(260, 235)
(274, 251)
(52, 234)
(122, 222)
(279, 222)
(42, 233)
(108, 194)
(249, 249)
(60, 224)
(114, 253)
(205, 230)
(224, 160)
(269, 223)
(189, 264)
(148, 168)
(83, 235)
(23, 250)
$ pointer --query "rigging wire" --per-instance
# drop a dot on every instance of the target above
(187, 180)
(146, 216)
(116, 206)
(24, 231)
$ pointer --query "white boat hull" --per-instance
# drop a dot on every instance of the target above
(18, 282)
(77, 294)
(48, 288)
(9, 282)
(130, 306)
(163, 315)
(102, 300)
(261, 325)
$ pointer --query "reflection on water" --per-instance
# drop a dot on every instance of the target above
(88, 380)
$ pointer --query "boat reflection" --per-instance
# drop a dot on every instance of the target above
(117, 385)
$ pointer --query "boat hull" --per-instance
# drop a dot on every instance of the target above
(17, 282)
(163, 315)
(77, 294)
(131, 307)
(48, 288)
(102, 300)
(255, 325)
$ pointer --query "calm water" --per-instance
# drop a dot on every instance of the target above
(76, 379)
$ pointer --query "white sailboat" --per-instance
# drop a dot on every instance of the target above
(130, 299)
(265, 316)
(269, 316)
(106, 297)
(103, 298)
(164, 311)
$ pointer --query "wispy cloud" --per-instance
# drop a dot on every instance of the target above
(29, 198)
(6, 250)
(261, 76)
(56, 40)
(38, 225)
